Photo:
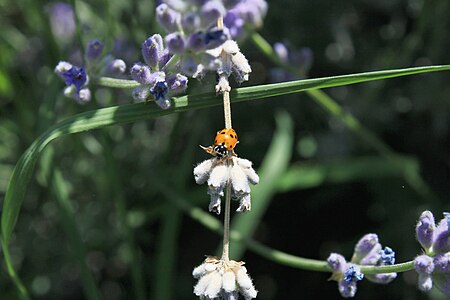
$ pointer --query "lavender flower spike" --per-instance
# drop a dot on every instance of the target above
(425, 230)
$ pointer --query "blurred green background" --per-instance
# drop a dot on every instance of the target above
(325, 185)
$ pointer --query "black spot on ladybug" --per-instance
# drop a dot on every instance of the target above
(232, 136)
(223, 132)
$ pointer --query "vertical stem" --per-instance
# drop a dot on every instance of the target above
(226, 220)
(227, 109)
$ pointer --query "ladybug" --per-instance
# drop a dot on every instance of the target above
(226, 139)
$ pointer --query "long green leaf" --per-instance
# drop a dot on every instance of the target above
(133, 112)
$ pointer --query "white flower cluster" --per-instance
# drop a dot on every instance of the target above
(219, 279)
(232, 61)
(218, 173)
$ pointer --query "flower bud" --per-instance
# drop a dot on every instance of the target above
(175, 43)
(424, 264)
(152, 50)
(364, 246)
(441, 242)
(94, 50)
(167, 17)
(425, 229)
(141, 73)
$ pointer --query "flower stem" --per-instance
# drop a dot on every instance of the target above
(226, 220)
(227, 109)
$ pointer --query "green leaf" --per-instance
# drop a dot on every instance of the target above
(140, 111)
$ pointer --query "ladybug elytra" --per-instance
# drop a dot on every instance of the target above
(226, 139)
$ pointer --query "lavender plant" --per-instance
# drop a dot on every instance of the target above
(201, 37)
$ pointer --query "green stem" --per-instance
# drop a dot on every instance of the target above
(272, 254)
(117, 83)
(226, 219)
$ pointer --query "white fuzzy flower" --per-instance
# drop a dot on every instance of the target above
(232, 61)
(218, 173)
(219, 279)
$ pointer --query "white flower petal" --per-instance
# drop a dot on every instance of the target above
(218, 176)
(229, 282)
(210, 267)
(199, 271)
(202, 171)
(214, 285)
(202, 284)
(244, 281)
(214, 203)
(230, 47)
(245, 204)
(248, 170)
(239, 180)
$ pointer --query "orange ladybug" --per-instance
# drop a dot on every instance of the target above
(226, 139)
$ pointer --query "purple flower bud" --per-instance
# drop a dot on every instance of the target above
(441, 242)
(424, 264)
(175, 42)
(167, 17)
(235, 24)
(211, 11)
(373, 257)
(76, 76)
(447, 217)
(141, 73)
(140, 93)
(152, 50)
(62, 21)
(387, 256)
(383, 278)
(442, 263)
(94, 50)
(253, 11)
(196, 41)
(425, 282)
(347, 289)
(337, 262)
(177, 83)
(364, 246)
(116, 66)
(425, 229)
(165, 57)
(281, 51)
(190, 22)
